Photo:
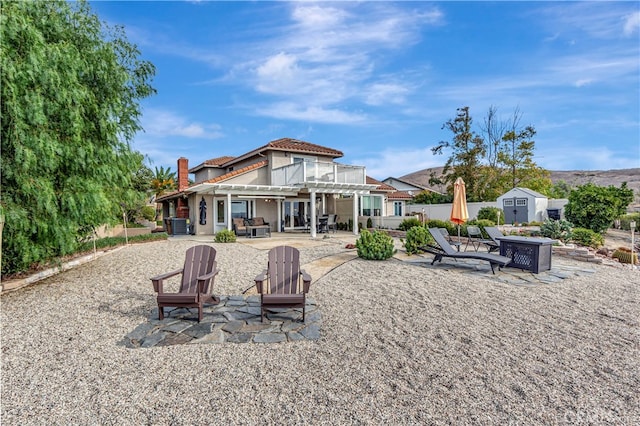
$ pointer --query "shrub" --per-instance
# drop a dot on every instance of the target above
(369, 223)
(436, 223)
(225, 236)
(556, 229)
(586, 237)
(491, 213)
(374, 246)
(416, 237)
(409, 223)
(148, 213)
(595, 207)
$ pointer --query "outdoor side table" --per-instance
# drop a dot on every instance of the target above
(528, 253)
(258, 231)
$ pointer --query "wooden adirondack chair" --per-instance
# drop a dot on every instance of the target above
(196, 288)
(283, 284)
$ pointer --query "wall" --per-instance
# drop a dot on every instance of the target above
(344, 209)
(385, 222)
(443, 211)
(118, 231)
(194, 202)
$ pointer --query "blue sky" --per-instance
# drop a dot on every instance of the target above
(377, 80)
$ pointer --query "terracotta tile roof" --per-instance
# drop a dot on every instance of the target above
(233, 173)
(295, 145)
(214, 162)
(400, 195)
(219, 161)
(283, 144)
(381, 186)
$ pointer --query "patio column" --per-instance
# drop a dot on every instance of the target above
(312, 225)
(356, 199)
(279, 224)
(229, 221)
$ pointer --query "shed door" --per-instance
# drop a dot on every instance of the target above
(515, 210)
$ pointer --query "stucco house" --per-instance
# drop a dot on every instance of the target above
(288, 182)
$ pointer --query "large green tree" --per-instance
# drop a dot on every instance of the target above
(70, 89)
(467, 152)
(493, 164)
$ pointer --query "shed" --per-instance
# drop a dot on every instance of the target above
(522, 205)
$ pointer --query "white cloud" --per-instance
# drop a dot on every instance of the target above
(163, 123)
(583, 82)
(603, 20)
(317, 17)
(277, 68)
(386, 93)
(293, 111)
(631, 24)
(328, 56)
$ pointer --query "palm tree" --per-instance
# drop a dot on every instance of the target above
(163, 181)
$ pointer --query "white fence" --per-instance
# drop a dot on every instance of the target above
(443, 211)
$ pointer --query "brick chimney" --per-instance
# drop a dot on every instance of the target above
(183, 173)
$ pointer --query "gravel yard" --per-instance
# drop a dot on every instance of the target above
(400, 344)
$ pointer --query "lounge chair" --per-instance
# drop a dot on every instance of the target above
(493, 233)
(198, 275)
(475, 238)
(457, 244)
(444, 249)
(283, 284)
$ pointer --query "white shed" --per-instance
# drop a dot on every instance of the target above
(522, 205)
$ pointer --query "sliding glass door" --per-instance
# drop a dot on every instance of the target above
(296, 213)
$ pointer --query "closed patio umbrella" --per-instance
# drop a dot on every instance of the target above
(459, 212)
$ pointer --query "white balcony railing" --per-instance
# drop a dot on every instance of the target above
(316, 171)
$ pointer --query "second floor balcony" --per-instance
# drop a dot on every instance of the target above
(316, 171)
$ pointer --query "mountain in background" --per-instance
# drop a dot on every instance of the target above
(573, 177)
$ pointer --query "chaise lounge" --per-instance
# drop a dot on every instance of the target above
(444, 249)
(495, 235)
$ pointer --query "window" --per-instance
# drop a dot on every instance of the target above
(521, 202)
(240, 209)
(220, 211)
(371, 205)
(298, 159)
(397, 208)
(508, 203)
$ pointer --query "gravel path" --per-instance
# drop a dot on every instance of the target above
(401, 344)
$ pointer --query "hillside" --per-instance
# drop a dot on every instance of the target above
(572, 177)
